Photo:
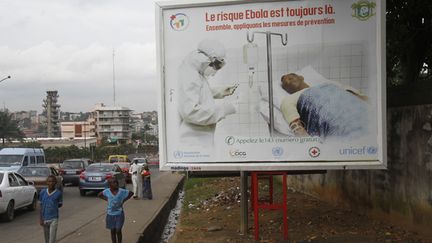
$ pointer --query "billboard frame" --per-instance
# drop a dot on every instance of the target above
(381, 163)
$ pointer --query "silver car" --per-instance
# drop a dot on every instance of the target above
(96, 176)
(15, 193)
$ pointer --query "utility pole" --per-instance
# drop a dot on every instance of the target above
(114, 93)
(85, 136)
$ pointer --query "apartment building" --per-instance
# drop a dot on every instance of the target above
(112, 123)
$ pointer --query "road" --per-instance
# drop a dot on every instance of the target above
(76, 212)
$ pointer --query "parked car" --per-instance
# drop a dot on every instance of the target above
(125, 166)
(96, 176)
(15, 193)
(118, 158)
(71, 169)
(38, 175)
(14, 158)
(141, 161)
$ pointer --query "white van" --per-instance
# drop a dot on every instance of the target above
(13, 158)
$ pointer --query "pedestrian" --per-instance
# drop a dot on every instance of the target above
(147, 191)
(135, 170)
(115, 217)
(51, 200)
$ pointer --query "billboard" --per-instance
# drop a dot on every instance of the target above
(271, 85)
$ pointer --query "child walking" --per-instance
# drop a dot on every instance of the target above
(147, 191)
(115, 214)
(51, 200)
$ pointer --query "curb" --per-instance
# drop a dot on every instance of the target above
(154, 230)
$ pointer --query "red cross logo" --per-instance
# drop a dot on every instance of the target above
(314, 152)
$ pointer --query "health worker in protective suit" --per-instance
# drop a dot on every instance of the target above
(198, 109)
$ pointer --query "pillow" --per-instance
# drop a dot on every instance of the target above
(311, 77)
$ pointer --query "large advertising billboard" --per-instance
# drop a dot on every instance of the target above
(271, 85)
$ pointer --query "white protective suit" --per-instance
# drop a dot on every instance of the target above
(135, 170)
(198, 110)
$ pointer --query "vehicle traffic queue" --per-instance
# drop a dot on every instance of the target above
(22, 181)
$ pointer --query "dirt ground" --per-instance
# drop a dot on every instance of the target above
(211, 213)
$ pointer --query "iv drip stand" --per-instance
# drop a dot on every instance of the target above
(269, 69)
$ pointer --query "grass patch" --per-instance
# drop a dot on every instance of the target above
(198, 189)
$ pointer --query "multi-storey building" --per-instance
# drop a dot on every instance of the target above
(77, 129)
(112, 123)
(52, 112)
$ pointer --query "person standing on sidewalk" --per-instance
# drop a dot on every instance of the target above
(115, 217)
(135, 170)
(147, 191)
(51, 200)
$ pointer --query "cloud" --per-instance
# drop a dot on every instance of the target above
(68, 46)
(83, 73)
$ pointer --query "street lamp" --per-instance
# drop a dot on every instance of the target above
(5, 78)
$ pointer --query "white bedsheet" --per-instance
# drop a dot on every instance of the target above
(311, 77)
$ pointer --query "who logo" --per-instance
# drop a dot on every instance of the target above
(179, 21)
(178, 154)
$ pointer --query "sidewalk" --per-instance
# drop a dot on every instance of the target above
(139, 214)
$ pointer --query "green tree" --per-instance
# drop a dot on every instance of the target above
(409, 41)
(9, 128)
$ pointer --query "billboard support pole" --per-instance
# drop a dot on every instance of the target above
(284, 40)
(270, 204)
(244, 202)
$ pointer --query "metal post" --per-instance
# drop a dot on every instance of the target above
(284, 40)
(270, 82)
(285, 205)
(85, 136)
(244, 202)
(255, 203)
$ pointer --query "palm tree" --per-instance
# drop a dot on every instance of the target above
(9, 128)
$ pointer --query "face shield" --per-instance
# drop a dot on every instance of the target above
(214, 64)
(217, 63)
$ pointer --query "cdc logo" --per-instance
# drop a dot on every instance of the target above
(178, 154)
(277, 151)
(237, 154)
(179, 21)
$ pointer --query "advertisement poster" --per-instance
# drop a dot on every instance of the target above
(281, 85)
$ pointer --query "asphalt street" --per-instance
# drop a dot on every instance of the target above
(75, 214)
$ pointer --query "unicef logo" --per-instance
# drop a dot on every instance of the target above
(277, 151)
(178, 154)
(230, 140)
(372, 150)
(179, 21)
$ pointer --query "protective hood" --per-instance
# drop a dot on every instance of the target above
(212, 48)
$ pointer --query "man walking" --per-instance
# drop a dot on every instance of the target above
(51, 200)
(135, 170)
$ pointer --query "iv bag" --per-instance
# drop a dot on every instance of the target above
(250, 58)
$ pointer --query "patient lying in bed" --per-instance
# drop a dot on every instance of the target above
(324, 110)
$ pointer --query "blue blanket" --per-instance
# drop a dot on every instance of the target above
(329, 110)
